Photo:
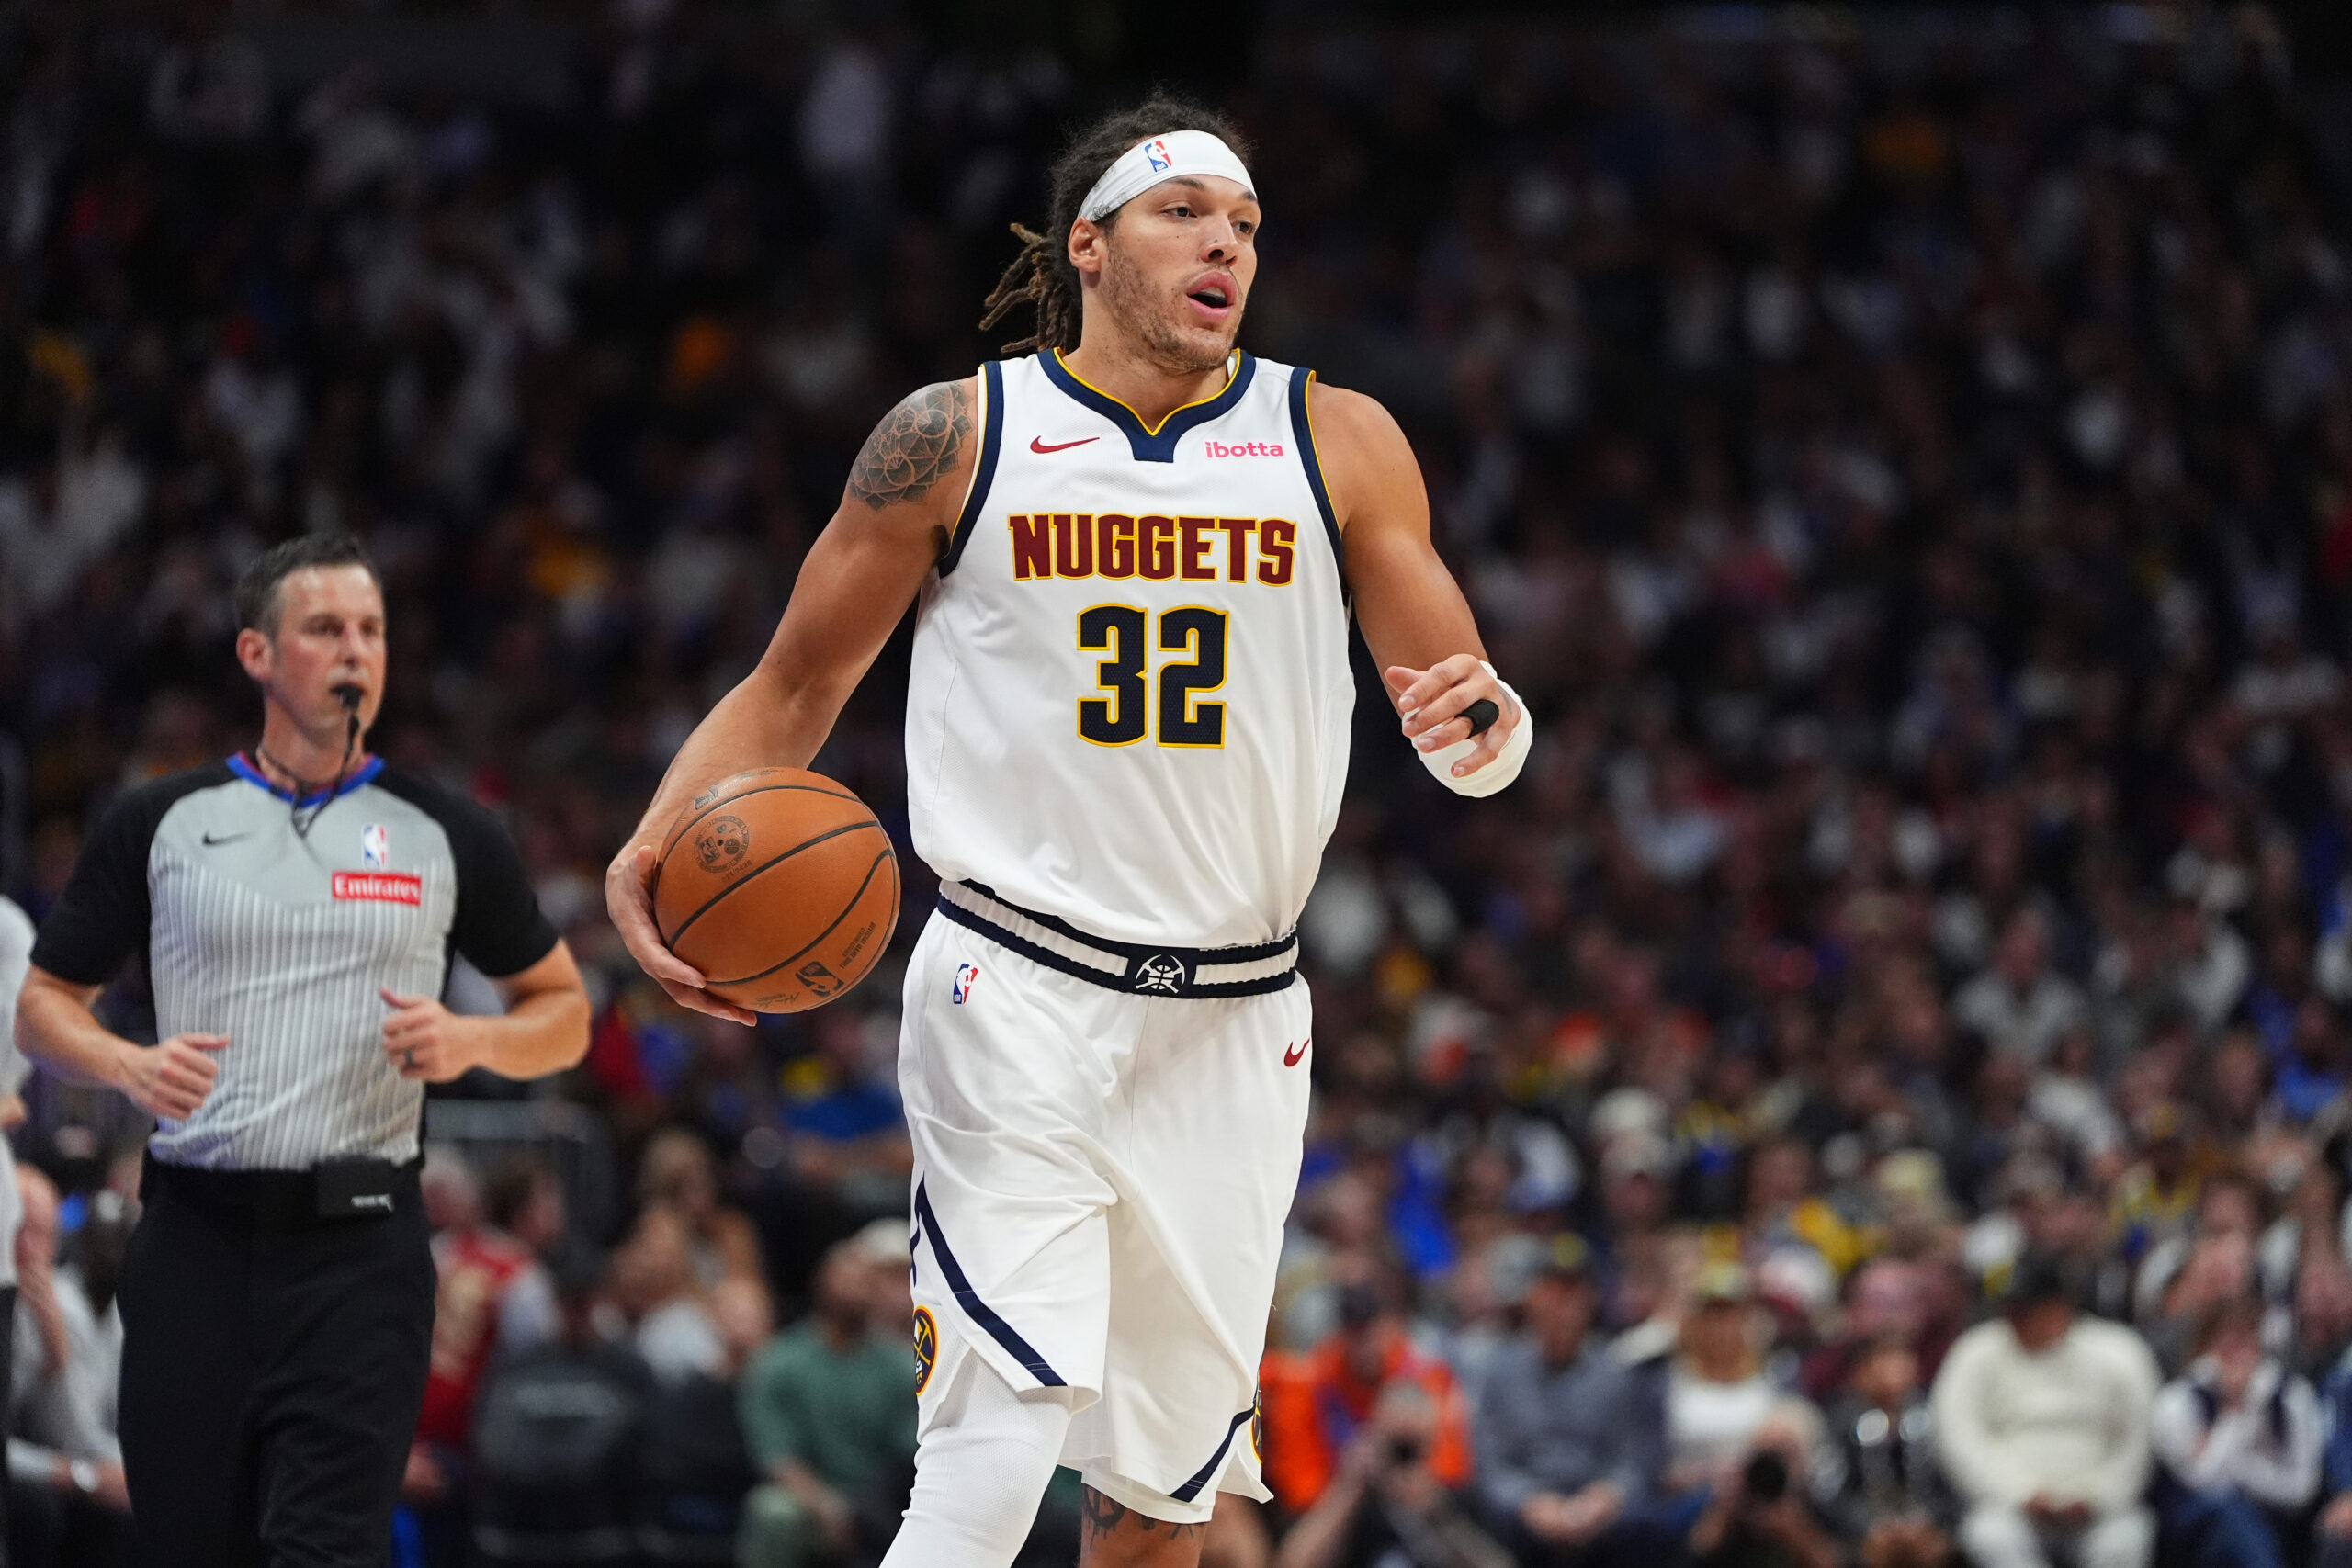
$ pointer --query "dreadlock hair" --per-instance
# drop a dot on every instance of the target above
(1042, 275)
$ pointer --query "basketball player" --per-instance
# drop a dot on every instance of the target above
(1127, 738)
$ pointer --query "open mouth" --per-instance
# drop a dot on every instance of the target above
(1213, 296)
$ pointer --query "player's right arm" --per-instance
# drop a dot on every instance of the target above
(896, 515)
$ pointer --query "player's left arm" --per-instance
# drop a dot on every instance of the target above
(1415, 620)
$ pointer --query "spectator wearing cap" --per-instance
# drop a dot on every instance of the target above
(1315, 1402)
(2239, 1436)
(2042, 1421)
(1717, 1397)
(1570, 1439)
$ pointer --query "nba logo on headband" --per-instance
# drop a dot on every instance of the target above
(1148, 163)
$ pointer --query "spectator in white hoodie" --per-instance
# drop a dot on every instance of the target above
(2041, 1424)
(2241, 1436)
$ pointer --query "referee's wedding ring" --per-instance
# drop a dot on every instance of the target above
(1482, 716)
(408, 1060)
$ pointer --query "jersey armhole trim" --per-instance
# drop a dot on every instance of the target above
(1302, 427)
(984, 471)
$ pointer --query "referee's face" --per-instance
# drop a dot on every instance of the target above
(330, 634)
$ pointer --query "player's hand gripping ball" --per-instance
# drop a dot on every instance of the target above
(780, 887)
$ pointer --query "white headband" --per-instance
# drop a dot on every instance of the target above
(1147, 163)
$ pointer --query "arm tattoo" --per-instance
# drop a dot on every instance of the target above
(913, 447)
(1103, 1516)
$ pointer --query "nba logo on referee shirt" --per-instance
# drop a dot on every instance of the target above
(375, 846)
(966, 977)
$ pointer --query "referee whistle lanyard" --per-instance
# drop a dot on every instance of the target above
(321, 796)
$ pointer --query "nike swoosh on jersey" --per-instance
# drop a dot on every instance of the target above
(1037, 444)
(211, 842)
(1298, 1052)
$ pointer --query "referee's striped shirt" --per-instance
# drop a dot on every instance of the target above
(278, 940)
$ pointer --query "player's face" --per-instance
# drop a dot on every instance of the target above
(1176, 268)
(330, 634)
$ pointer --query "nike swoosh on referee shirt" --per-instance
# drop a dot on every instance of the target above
(209, 841)
(1037, 444)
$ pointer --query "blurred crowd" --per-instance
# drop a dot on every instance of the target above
(1874, 1092)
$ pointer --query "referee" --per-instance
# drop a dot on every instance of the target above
(298, 904)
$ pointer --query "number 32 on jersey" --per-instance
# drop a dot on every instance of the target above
(1195, 633)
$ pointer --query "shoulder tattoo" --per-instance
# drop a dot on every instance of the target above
(913, 447)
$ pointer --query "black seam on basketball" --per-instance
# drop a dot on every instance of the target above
(670, 941)
(682, 828)
(887, 855)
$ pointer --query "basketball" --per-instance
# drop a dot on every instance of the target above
(780, 887)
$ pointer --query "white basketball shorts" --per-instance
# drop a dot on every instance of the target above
(1107, 1144)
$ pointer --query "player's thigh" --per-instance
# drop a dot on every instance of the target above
(1009, 1072)
(1212, 1153)
(996, 1046)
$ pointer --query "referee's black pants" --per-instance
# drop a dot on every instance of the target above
(273, 1363)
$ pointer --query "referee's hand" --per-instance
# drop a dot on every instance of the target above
(170, 1080)
(427, 1041)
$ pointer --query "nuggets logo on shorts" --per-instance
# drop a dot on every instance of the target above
(1258, 1428)
(1160, 973)
(966, 977)
(926, 1347)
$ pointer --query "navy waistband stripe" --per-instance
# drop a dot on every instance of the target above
(1171, 972)
(979, 1311)
(1250, 955)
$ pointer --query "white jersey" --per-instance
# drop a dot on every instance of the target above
(1130, 696)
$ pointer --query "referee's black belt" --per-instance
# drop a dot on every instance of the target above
(288, 1200)
(1143, 968)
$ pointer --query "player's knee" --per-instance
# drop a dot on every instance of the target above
(980, 1471)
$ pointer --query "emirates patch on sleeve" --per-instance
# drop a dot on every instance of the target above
(379, 887)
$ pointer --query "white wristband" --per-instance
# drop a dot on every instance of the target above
(1497, 775)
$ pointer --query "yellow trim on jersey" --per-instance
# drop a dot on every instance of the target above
(1232, 364)
(1314, 451)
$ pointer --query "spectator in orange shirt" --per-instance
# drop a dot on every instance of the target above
(1316, 1401)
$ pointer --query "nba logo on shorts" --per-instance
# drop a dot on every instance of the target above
(966, 977)
(375, 846)
(1155, 150)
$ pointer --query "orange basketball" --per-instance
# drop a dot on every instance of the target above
(780, 887)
